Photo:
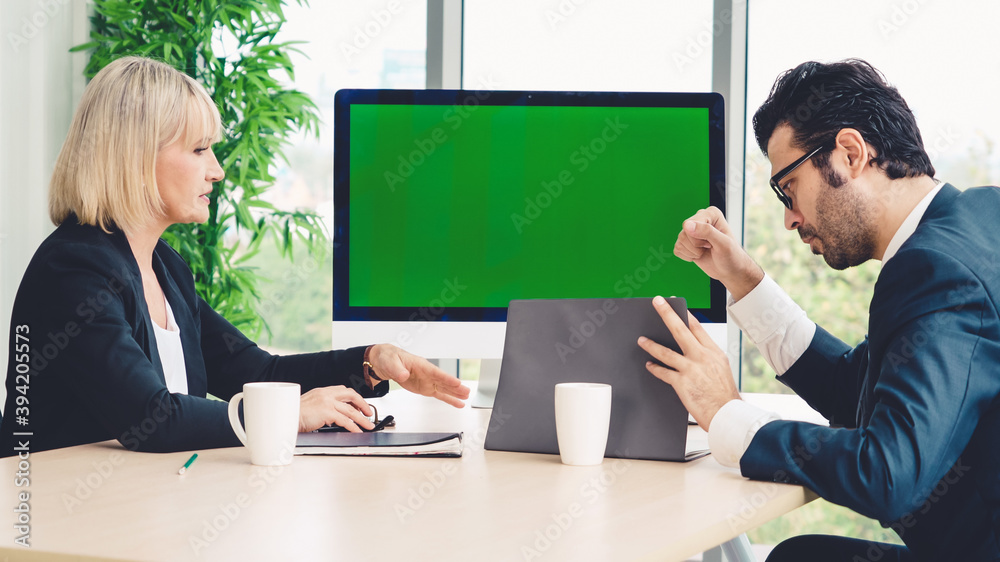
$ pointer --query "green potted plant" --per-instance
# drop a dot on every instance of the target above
(228, 46)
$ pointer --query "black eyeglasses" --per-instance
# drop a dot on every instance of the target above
(776, 179)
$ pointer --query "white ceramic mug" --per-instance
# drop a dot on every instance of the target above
(583, 415)
(271, 413)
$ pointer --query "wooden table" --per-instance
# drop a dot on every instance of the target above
(105, 502)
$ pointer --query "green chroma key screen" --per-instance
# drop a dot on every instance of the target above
(472, 205)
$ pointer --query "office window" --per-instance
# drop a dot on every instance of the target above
(630, 45)
(943, 62)
(570, 45)
(942, 59)
(359, 44)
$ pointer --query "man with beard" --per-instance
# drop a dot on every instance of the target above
(913, 409)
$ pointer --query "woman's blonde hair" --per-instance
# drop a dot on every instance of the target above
(105, 173)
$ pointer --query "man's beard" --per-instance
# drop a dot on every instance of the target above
(845, 224)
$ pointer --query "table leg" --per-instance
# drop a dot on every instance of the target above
(738, 550)
(714, 555)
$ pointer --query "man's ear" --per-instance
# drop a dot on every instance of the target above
(853, 151)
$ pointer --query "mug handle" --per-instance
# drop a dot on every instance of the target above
(234, 417)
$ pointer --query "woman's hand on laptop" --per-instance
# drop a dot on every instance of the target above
(701, 376)
(417, 375)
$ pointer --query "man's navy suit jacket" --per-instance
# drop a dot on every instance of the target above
(918, 442)
(93, 369)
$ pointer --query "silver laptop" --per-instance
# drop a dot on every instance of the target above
(550, 341)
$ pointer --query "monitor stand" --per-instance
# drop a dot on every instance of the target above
(486, 390)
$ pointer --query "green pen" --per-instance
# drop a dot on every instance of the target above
(187, 464)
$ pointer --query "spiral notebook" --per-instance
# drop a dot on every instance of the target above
(380, 444)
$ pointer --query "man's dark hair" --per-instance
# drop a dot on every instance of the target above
(818, 100)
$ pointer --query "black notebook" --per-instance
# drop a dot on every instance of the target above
(380, 444)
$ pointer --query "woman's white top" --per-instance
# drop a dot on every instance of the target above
(168, 343)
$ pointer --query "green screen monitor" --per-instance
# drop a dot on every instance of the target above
(450, 203)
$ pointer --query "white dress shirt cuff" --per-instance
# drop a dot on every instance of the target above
(771, 319)
(733, 428)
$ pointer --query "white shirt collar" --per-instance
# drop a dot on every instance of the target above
(909, 225)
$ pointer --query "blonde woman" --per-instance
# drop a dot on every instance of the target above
(109, 339)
